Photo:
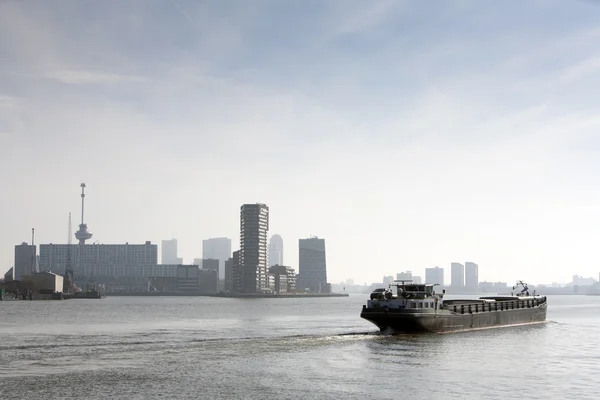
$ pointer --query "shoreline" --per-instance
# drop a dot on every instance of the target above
(228, 295)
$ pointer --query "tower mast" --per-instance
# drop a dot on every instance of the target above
(82, 234)
(68, 281)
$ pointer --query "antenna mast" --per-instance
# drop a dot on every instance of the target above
(82, 234)
(68, 281)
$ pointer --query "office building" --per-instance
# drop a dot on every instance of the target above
(217, 249)
(187, 277)
(434, 275)
(457, 275)
(471, 276)
(312, 267)
(169, 252)
(254, 225)
(25, 260)
(103, 260)
(275, 250)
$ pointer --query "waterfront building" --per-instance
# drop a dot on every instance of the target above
(312, 266)
(284, 279)
(254, 225)
(104, 261)
(187, 277)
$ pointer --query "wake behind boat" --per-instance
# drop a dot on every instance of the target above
(418, 308)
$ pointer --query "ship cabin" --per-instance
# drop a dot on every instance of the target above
(408, 296)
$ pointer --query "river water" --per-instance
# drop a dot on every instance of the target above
(219, 348)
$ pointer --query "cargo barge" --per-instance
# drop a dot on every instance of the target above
(416, 308)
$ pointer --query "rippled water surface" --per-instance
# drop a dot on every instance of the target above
(201, 347)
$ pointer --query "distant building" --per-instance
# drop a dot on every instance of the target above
(102, 261)
(275, 250)
(457, 275)
(312, 268)
(229, 267)
(43, 282)
(25, 260)
(187, 277)
(404, 276)
(211, 264)
(254, 225)
(417, 279)
(236, 272)
(388, 280)
(217, 249)
(169, 252)
(434, 275)
(471, 275)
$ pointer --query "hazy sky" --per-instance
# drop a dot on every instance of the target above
(407, 134)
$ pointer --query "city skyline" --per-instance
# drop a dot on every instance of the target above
(402, 137)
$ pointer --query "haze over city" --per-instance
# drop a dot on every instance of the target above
(407, 136)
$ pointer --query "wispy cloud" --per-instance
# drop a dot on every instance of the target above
(81, 77)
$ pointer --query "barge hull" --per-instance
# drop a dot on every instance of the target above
(445, 321)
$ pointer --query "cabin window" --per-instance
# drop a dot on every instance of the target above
(426, 305)
(414, 304)
(420, 304)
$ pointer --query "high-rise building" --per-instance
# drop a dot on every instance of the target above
(275, 250)
(169, 252)
(471, 276)
(25, 260)
(434, 275)
(254, 225)
(312, 267)
(217, 249)
(457, 275)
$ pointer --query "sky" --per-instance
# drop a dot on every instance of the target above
(407, 134)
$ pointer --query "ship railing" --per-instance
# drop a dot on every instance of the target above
(504, 305)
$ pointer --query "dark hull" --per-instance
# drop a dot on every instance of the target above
(405, 321)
